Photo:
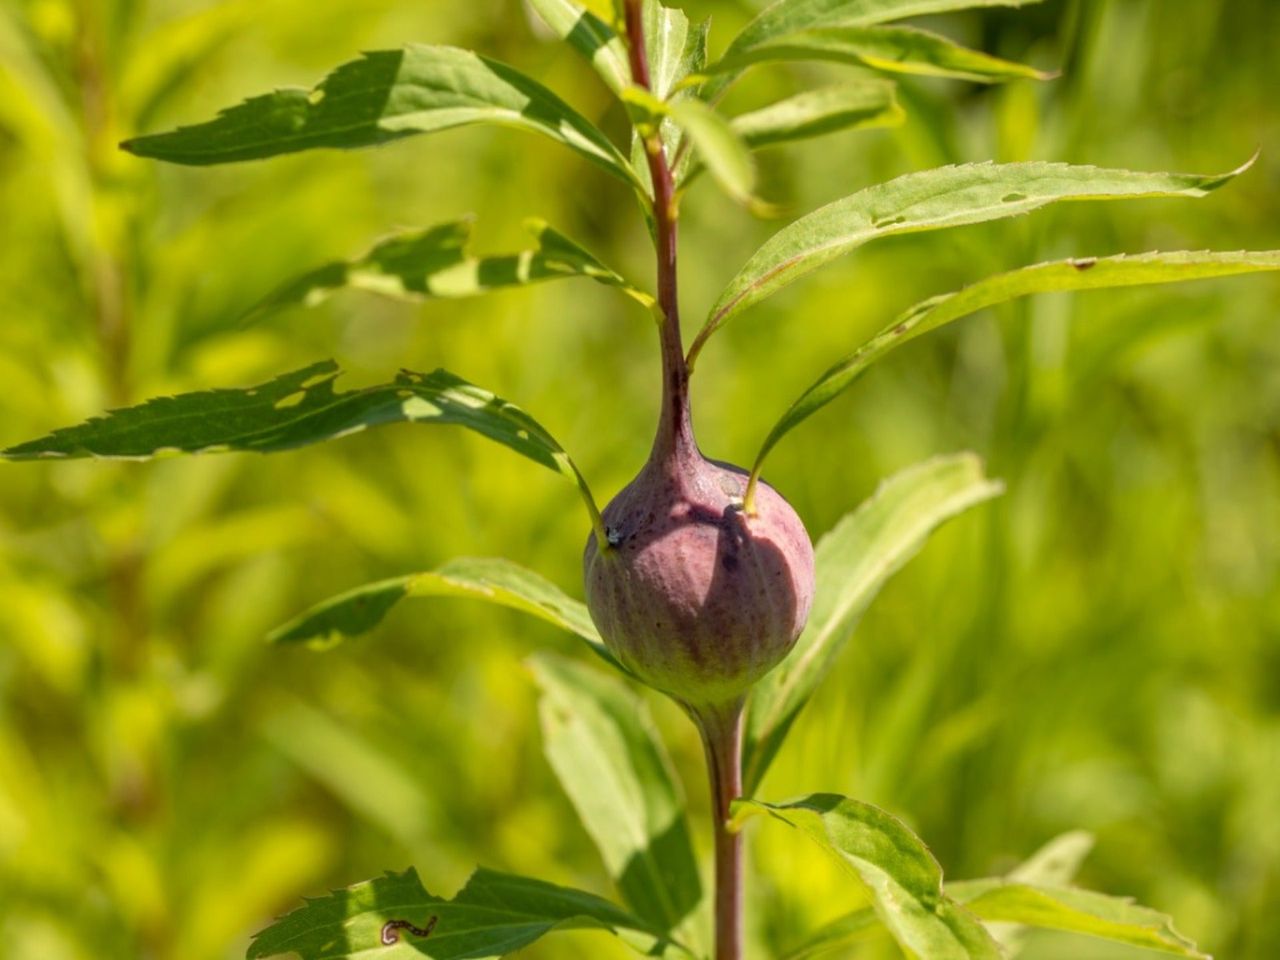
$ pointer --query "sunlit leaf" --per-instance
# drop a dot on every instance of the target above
(1091, 273)
(293, 410)
(492, 916)
(435, 262)
(675, 47)
(1056, 862)
(778, 22)
(853, 561)
(854, 105)
(590, 36)
(676, 50)
(384, 96)
(298, 409)
(933, 200)
(789, 16)
(494, 580)
(1117, 919)
(842, 932)
(606, 751)
(718, 146)
(891, 49)
(895, 868)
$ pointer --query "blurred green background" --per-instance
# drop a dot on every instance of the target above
(1100, 648)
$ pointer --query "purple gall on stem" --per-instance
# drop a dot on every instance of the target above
(692, 594)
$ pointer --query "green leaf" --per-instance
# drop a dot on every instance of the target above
(605, 749)
(1056, 862)
(494, 580)
(891, 49)
(590, 36)
(853, 561)
(841, 932)
(896, 869)
(856, 105)
(434, 263)
(301, 408)
(293, 410)
(794, 20)
(675, 48)
(676, 51)
(719, 147)
(1117, 919)
(933, 200)
(384, 96)
(1091, 273)
(493, 915)
(1035, 894)
(790, 16)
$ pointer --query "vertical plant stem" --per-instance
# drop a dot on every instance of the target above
(721, 727)
(721, 730)
(675, 427)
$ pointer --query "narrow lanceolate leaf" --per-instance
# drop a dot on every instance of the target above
(1035, 894)
(603, 745)
(718, 146)
(1117, 919)
(294, 410)
(896, 869)
(493, 915)
(433, 263)
(891, 49)
(853, 561)
(858, 105)
(590, 36)
(1090, 273)
(497, 581)
(1055, 863)
(790, 16)
(384, 96)
(676, 48)
(298, 409)
(933, 200)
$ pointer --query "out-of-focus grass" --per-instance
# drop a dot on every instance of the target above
(1099, 649)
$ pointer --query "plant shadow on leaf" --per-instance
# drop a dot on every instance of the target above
(493, 915)
(637, 882)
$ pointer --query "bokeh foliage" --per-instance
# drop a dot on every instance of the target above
(1100, 648)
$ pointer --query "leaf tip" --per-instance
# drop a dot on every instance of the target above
(1213, 183)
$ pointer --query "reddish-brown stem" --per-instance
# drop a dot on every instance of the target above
(675, 426)
(721, 730)
(721, 727)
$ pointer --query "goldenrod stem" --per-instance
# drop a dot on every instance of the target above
(721, 730)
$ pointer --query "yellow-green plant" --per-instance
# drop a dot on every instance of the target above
(700, 580)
